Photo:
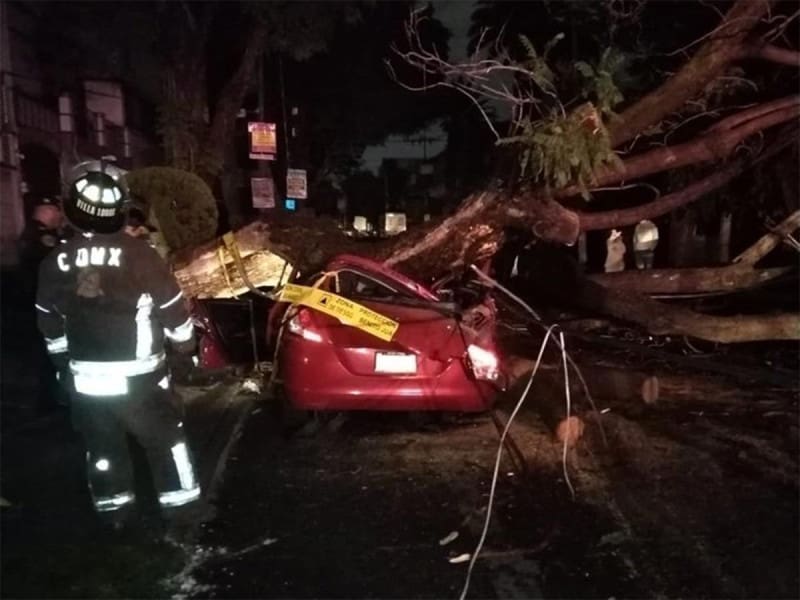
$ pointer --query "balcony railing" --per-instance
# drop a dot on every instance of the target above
(33, 114)
(94, 135)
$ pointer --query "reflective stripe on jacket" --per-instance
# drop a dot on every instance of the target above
(109, 299)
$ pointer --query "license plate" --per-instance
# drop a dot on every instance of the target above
(395, 363)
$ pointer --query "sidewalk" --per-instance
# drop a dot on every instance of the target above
(51, 545)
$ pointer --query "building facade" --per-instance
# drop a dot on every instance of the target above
(45, 130)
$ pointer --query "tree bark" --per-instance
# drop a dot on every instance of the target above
(305, 243)
(610, 219)
(223, 120)
(690, 281)
(475, 231)
(722, 47)
(753, 112)
(661, 319)
(769, 242)
(740, 275)
(716, 144)
(772, 53)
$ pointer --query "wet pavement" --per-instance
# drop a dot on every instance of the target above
(680, 504)
(359, 512)
(695, 496)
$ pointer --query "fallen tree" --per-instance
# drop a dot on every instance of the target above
(739, 275)
(474, 232)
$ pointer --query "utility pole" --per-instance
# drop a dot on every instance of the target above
(283, 110)
(286, 133)
(261, 91)
(264, 168)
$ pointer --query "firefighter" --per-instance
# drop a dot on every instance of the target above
(106, 305)
(43, 232)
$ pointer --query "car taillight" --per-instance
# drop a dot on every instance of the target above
(300, 324)
(484, 363)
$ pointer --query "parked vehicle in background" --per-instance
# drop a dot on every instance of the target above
(443, 356)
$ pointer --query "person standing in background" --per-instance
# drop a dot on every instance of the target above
(645, 240)
(42, 234)
(615, 252)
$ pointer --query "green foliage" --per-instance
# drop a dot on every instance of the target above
(182, 203)
(599, 80)
(537, 65)
(563, 150)
(567, 145)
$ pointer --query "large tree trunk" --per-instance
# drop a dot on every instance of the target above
(662, 319)
(712, 280)
(200, 274)
(221, 129)
(720, 49)
(740, 275)
(475, 231)
(304, 243)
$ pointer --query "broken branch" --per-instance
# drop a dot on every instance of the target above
(767, 243)
(772, 53)
(717, 52)
(707, 280)
(609, 219)
(715, 144)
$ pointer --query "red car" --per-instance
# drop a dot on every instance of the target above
(440, 358)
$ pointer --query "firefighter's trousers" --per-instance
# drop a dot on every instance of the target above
(147, 414)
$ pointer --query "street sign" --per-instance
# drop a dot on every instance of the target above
(296, 184)
(263, 191)
(263, 140)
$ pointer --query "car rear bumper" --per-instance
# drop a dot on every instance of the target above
(314, 380)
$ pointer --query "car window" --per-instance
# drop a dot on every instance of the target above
(311, 279)
(356, 285)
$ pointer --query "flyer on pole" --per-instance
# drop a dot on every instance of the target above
(263, 140)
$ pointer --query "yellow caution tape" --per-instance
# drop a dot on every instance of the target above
(346, 311)
(221, 257)
(230, 243)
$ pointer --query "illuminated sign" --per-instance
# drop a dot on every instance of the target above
(263, 140)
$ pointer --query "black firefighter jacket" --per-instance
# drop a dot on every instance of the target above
(109, 301)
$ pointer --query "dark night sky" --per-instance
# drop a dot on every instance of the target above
(455, 15)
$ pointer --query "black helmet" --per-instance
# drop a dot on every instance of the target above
(96, 193)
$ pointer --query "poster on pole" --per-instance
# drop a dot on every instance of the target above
(263, 191)
(296, 184)
(263, 140)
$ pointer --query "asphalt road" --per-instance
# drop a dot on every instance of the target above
(358, 510)
(696, 496)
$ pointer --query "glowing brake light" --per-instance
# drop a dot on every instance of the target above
(484, 363)
(300, 324)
